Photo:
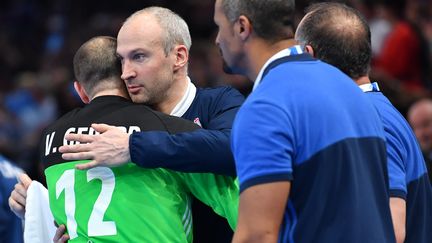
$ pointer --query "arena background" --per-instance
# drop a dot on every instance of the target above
(38, 40)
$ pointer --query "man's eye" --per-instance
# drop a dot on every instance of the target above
(139, 57)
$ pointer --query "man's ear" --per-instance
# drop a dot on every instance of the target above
(309, 49)
(81, 92)
(243, 27)
(181, 55)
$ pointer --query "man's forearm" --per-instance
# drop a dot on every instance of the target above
(206, 151)
(398, 212)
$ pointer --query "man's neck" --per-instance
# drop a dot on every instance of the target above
(362, 80)
(260, 51)
(112, 92)
(173, 96)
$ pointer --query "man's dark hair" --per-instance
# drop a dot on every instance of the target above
(272, 20)
(339, 35)
(95, 63)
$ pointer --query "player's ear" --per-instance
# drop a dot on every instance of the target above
(309, 49)
(81, 92)
(181, 55)
(243, 27)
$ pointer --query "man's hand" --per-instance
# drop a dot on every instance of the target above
(110, 148)
(60, 235)
(17, 199)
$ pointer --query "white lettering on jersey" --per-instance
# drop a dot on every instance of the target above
(69, 130)
(80, 130)
(48, 143)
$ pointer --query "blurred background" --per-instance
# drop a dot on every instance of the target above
(39, 37)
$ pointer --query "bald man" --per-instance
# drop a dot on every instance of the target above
(420, 118)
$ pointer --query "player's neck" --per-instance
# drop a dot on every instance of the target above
(261, 52)
(111, 92)
(362, 80)
(174, 95)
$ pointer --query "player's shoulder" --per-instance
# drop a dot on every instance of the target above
(218, 98)
(389, 114)
(218, 92)
(63, 120)
(175, 124)
(135, 107)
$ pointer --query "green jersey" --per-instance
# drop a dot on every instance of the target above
(133, 204)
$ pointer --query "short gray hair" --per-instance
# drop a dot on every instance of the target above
(174, 27)
(231, 9)
(272, 20)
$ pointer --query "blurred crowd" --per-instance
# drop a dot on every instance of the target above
(38, 39)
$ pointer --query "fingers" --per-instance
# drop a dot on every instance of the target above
(82, 138)
(87, 166)
(77, 156)
(60, 235)
(19, 197)
(74, 148)
(101, 128)
(25, 180)
(19, 193)
(64, 238)
(17, 208)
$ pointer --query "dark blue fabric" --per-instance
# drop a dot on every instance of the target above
(309, 120)
(10, 225)
(419, 211)
(342, 172)
(204, 150)
(407, 170)
(265, 179)
(406, 162)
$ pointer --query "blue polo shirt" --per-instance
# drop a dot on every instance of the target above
(308, 123)
(408, 178)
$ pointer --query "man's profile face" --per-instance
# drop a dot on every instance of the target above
(146, 70)
(421, 121)
(226, 41)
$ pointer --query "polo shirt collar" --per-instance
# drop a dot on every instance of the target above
(370, 87)
(186, 101)
(294, 50)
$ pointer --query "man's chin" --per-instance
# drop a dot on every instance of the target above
(227, 69)
(139, 100)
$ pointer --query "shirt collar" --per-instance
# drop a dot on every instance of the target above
(186, 101)
(294, 50)
(370, 87)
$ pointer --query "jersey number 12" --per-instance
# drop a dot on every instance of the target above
(96, 225)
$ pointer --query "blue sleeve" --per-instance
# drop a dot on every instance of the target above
(396, 153)
(204, 150)
(263, 144)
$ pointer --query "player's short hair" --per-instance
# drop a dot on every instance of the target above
(339, 36)
(95, 63)
(175, 28)
(272, 20)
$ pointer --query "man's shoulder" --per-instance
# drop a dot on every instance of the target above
(392, 119)
(66, 118)
(114, 113)
(175, 124)
(218, 95)
(217, 92)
